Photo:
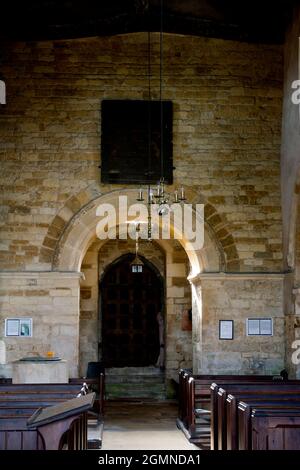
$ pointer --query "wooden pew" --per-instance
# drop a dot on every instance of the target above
(43, 388)
(202, 385)
(194, 402)
(22, 399)
(53, 428)
(269, 427)
(275, 430)
(29, 396)
(232, 429)
(219, 423)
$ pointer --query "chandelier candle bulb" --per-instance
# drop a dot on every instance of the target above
(176, 196)
(182, 196)
(140, 198)
(151, 197)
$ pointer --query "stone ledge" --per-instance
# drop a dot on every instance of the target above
(236, 276)
(45, 274)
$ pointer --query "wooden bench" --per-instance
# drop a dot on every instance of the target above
(20, 400)
(273, 392)
(275, 401)
(224, 402)
(195, 401)
(232, 430)
(62, 426)
(202, 388)
(27, 393)
(269, 428)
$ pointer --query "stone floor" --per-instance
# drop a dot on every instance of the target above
(141, 426)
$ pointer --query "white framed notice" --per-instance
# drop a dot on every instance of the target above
(225, 329)
(12, 327)
(259, 326)
(18, 327)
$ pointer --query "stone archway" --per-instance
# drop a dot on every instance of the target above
(218, 252)
(73, 228)
(171, 263)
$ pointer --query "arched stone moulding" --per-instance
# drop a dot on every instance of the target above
(74, 228)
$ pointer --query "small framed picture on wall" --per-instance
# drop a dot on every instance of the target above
(225, 329)
(18, 327)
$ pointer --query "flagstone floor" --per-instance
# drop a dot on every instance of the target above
(142, 426)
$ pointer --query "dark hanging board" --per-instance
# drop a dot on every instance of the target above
(131, 141)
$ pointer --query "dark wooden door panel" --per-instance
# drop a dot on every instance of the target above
(130, 303)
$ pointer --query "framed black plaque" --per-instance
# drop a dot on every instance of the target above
(131, 141)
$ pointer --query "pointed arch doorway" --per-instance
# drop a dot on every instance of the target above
(129, 305)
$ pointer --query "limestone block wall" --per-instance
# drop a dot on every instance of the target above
(173, 266)
(227, 99)
(238, 298)
(179, 348)
(113, 249)
(52, 301)
(290, 158)
(89, 309)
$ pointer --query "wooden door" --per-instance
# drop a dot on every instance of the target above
(130, 303)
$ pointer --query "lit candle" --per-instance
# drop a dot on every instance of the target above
(140, 195)
(151, 196)
(176, 195)
(158, 189)
(182, 197)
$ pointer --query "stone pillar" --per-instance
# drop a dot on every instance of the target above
(2, 352)
(178, 299)
(197, 325)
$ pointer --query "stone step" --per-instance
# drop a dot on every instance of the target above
(150, 370)
(135, 390)
(135, 382)
(132, 379)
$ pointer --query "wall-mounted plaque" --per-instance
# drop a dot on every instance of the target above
(226, 329)
(18, 327)
(259, 326)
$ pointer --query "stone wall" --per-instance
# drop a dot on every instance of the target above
(179, 350)
(52, 301)
(113, 249)
(227, 100)
(290, 157)
(89, 309)
(238, 298)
